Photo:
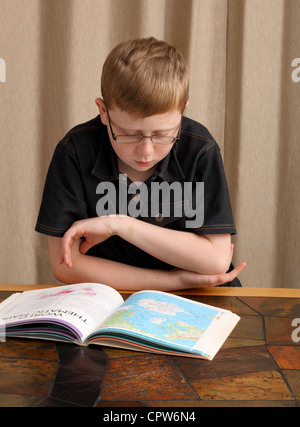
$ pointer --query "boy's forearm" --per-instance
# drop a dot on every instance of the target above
(120, 276)
(124, 277)
(184, 250)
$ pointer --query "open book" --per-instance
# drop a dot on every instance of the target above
(91, 313)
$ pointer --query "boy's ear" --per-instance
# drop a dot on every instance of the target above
(187, 104)
(102, 110)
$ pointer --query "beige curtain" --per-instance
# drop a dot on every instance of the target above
(240, 54)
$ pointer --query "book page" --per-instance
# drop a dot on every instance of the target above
(82, 306)
(163, 318)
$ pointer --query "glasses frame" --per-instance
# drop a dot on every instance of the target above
(141, 137)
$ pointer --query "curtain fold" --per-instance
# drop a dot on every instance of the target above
(240, 55)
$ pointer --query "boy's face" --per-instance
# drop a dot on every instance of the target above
(138, 160)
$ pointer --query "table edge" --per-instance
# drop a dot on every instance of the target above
(212, 291)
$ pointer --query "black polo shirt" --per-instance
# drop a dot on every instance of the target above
(84, 162)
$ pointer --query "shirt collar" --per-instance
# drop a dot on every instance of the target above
(106, 167)
(169, 168)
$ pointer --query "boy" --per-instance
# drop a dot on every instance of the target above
(123, 204)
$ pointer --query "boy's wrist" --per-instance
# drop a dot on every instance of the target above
(118, 224)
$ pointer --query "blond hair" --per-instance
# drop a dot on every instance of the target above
(145, 77)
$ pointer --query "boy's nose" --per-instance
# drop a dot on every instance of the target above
(146, 146)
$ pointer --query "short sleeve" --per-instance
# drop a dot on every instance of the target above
(218, 217)
(63, 200)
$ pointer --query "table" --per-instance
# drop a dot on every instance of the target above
(259, 365)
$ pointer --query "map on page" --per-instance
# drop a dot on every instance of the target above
(163, 317)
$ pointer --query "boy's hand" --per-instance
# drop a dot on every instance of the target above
(190, 279)
(94, 230)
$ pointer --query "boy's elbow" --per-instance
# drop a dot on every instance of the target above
(221, 260)
(222, 253)
(60, 273)
(218, 266)
(221, 265)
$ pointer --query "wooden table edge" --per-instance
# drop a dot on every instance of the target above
(212, 291)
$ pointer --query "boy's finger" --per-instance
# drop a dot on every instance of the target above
(235, 272)
(66, 250)
(241, 267)
(85, 246)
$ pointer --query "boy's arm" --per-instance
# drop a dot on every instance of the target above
(203, 254)
(87, 268)
(210, 254)
(125, 277)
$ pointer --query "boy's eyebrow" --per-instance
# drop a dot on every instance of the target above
(165, 130)
(135, 130)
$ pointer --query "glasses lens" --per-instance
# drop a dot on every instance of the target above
(134, 139)
(128, 139)
(163, 139)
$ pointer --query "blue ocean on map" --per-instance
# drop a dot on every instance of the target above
(164, 317)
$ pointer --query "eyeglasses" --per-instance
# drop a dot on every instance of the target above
(135, 139)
